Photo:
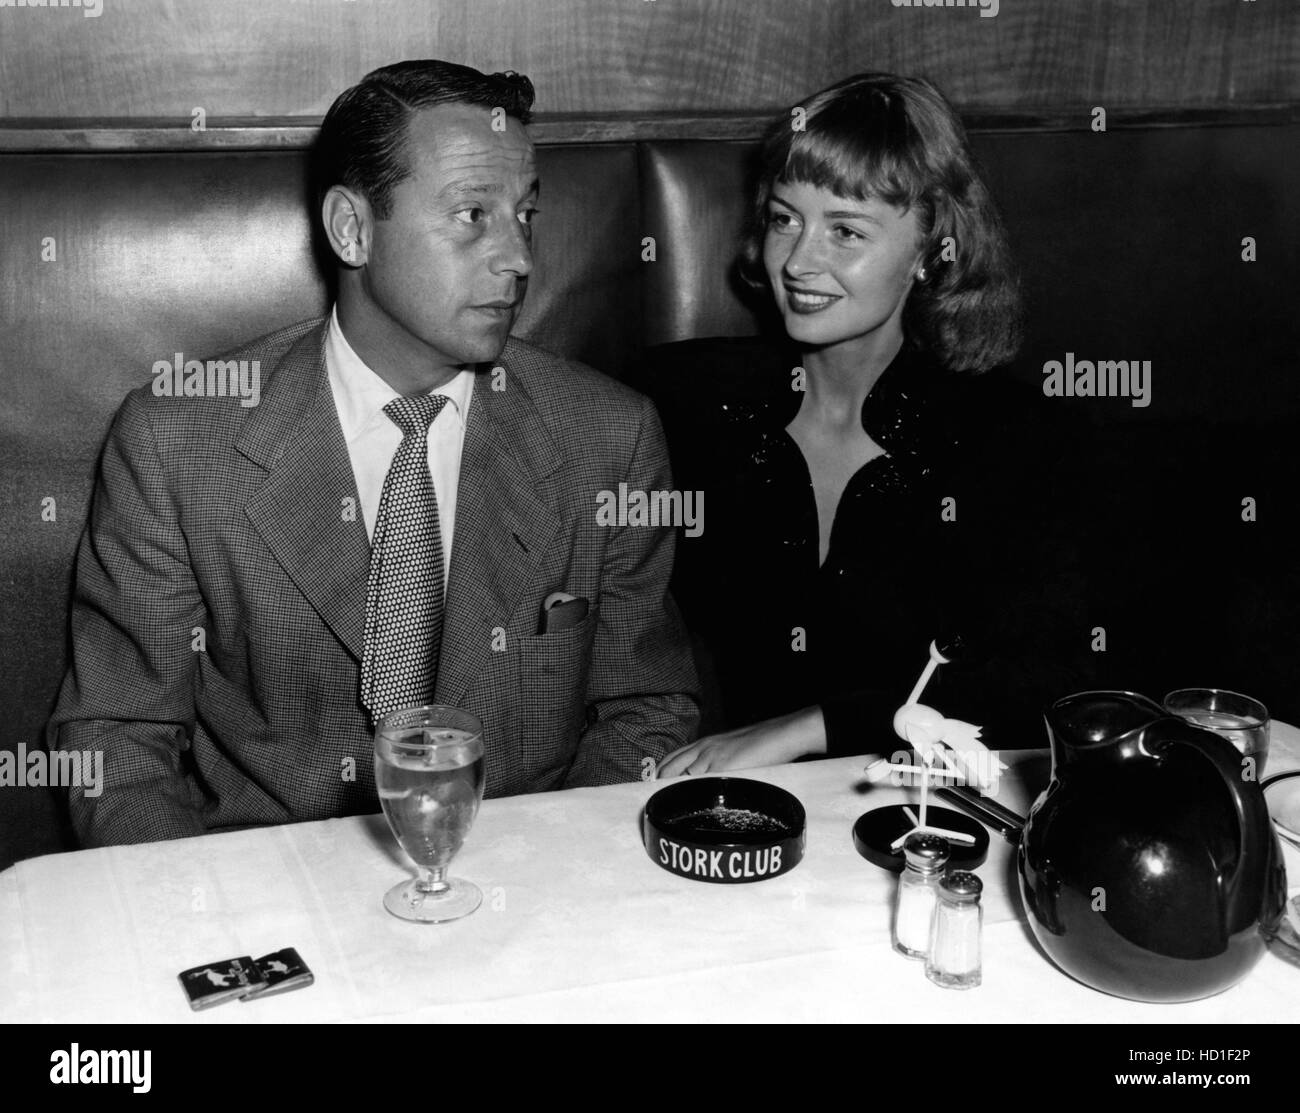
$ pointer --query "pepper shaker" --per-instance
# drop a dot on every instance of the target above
(926, 856)
(954, 959)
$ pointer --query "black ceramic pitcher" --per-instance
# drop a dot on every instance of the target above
(1148, 867)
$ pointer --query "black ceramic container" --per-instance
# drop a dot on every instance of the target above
(1148, 867)
(728, 830)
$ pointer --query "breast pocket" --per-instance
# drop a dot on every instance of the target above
(552, 685)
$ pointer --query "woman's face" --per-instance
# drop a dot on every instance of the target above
(840, 268)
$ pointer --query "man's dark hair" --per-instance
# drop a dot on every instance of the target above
(362, 142)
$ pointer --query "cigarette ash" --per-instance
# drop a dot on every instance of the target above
(719, 818)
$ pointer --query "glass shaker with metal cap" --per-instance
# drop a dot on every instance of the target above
(926, 857)
(954, 958)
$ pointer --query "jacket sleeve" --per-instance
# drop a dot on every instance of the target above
(642, 691)
(128, 692)
(861, 722)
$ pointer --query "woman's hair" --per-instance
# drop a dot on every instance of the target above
(898, 139)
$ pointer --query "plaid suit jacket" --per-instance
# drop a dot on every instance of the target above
(219, 610)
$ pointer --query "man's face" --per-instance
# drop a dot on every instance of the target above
(450, 265)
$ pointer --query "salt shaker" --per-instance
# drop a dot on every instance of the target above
(926, 856)
(954, 959)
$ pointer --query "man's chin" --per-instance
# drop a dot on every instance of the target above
(483, 349)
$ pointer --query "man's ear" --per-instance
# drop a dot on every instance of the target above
(348, 224)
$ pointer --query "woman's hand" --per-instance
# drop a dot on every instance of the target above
(772, 742)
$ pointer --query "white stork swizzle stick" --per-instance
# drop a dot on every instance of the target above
(950, 751)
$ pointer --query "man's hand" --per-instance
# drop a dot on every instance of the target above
(772, 742)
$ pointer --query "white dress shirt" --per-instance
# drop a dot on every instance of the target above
(372, 436)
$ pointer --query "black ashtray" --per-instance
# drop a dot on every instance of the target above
(727, 830)
(876, 831)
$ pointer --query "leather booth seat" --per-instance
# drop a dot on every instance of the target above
(1130, 244)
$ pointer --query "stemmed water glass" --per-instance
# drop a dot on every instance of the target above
(429, 773)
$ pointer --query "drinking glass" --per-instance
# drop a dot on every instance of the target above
(1239, 719)
(429, 773)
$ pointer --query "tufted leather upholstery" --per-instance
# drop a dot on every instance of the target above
(1130, 245)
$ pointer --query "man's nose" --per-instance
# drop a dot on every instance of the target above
(512, 251)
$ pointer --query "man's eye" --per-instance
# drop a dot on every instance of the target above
(471, 215)
(526, 215)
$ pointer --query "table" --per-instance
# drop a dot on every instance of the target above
(577, 924)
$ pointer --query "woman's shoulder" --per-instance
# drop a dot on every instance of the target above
(994, 411)
(720, 381)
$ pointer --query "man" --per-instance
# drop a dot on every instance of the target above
(258, 585)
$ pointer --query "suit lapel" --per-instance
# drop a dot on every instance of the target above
(299, 509)
(503, 524)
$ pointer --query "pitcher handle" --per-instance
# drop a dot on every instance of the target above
(1244, 898)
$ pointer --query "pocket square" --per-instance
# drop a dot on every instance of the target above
(561, 611)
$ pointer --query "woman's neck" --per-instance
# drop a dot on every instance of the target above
(838, 380)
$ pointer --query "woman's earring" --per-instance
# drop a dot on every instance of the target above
(922, 275)
(349, 251)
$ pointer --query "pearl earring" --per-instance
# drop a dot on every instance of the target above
(921, 275)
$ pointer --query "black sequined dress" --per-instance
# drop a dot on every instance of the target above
(952, 532)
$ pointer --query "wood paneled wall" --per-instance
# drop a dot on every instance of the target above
(161, 58)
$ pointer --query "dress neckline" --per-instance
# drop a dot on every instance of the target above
(902, 413)
(905, 413)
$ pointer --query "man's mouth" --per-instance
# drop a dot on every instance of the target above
(497, 308)
(809, 301)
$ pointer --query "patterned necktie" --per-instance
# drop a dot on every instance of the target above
(404, 590)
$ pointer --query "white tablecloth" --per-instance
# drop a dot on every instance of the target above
(577, 924)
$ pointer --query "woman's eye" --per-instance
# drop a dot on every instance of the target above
(470, 216)
(848, 235)
(526, 216)
(779, 220)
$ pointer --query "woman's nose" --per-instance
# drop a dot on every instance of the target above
(803, 258)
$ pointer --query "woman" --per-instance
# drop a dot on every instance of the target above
(865, 486)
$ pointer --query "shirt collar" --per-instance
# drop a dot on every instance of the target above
(361, 395)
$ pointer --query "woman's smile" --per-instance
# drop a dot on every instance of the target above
(809, 301)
